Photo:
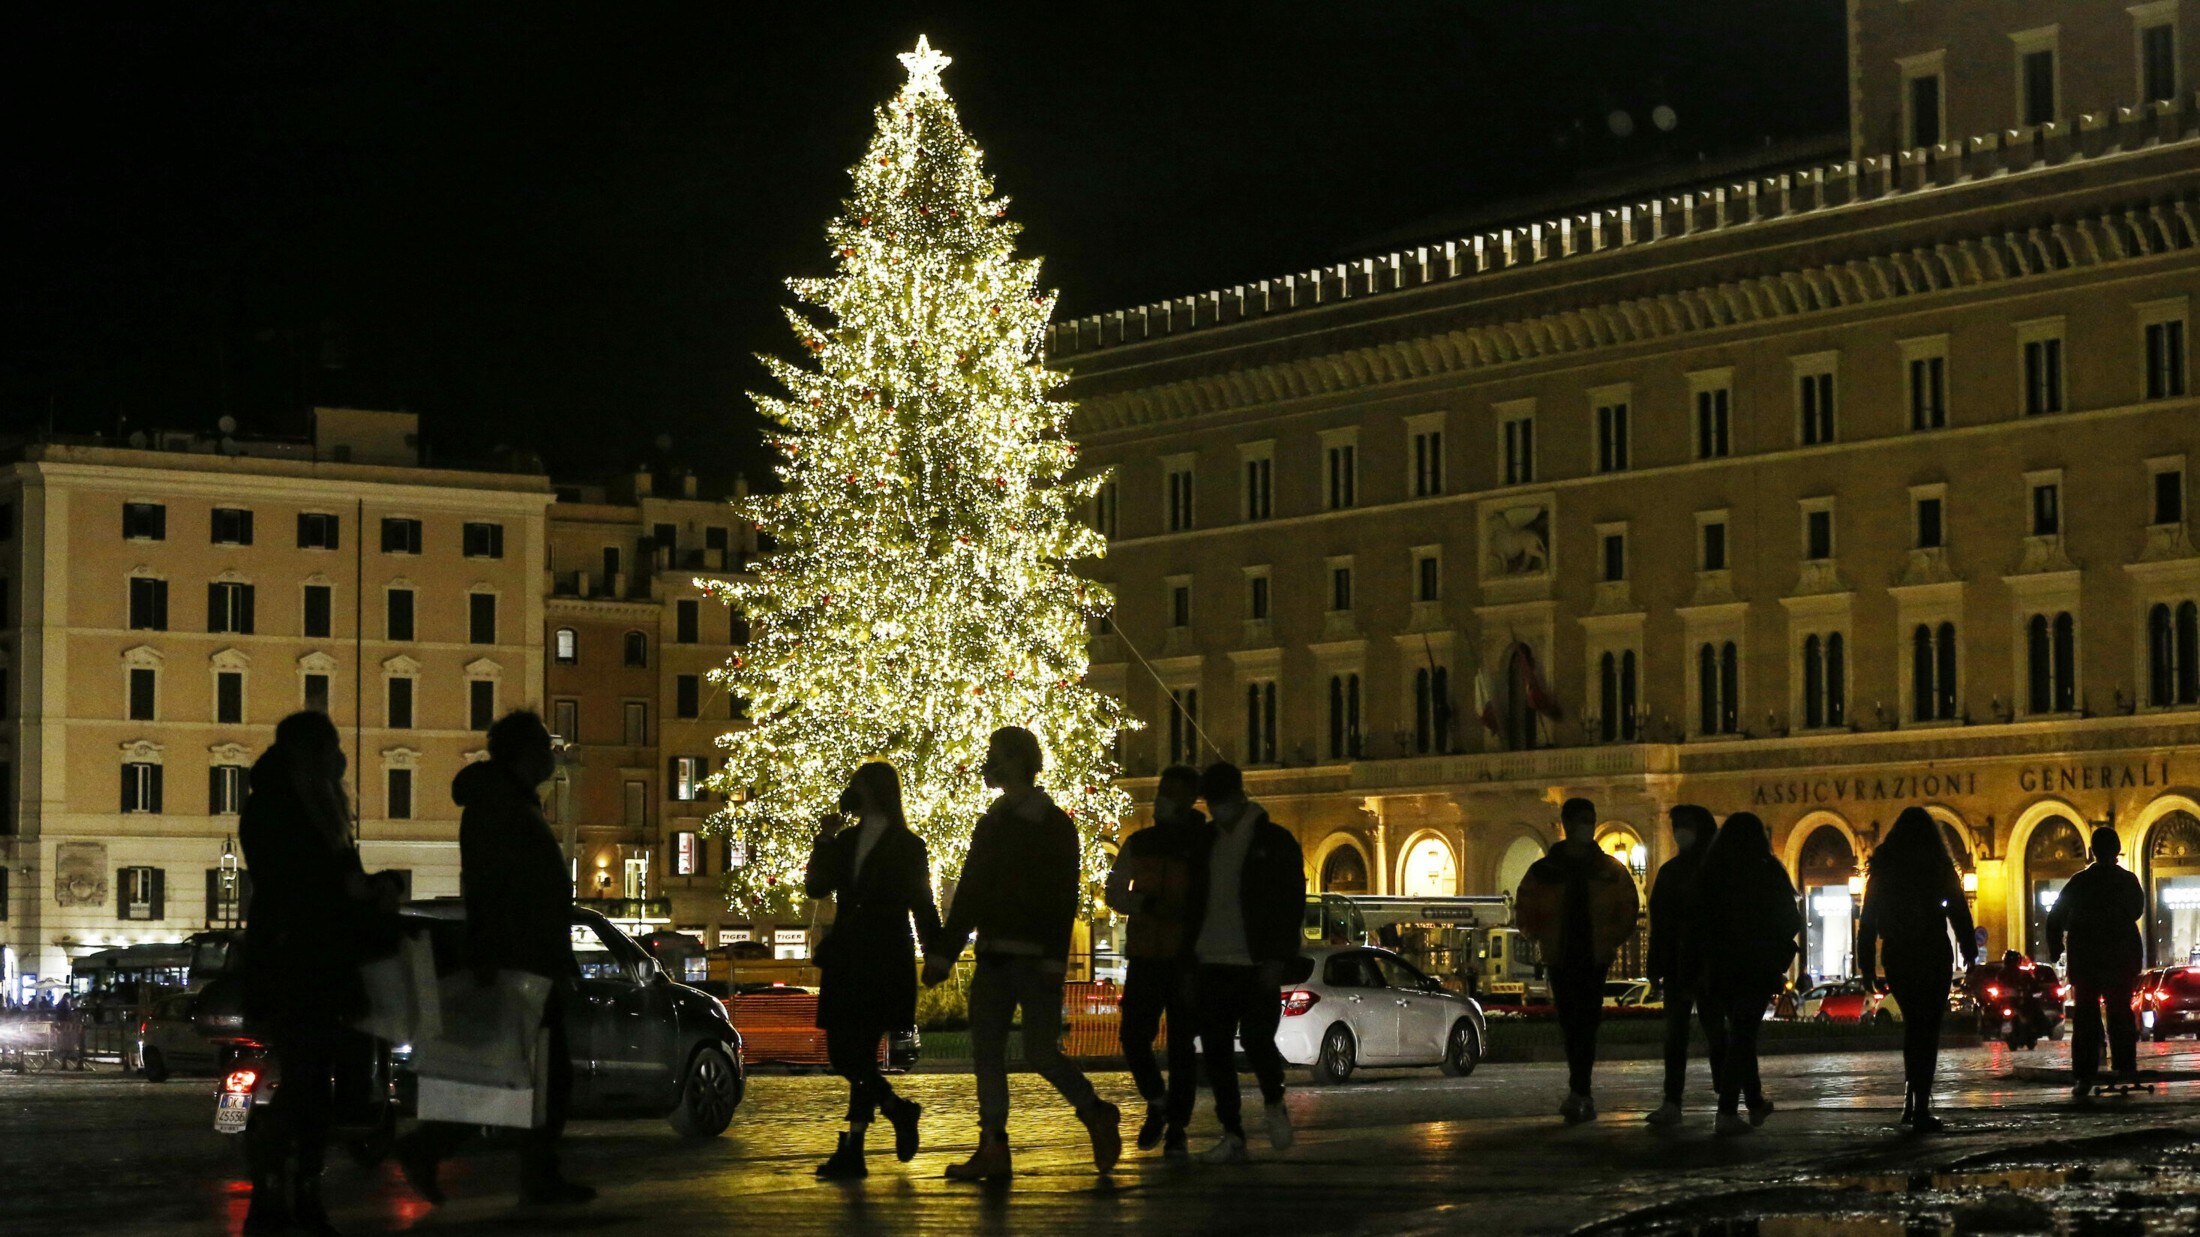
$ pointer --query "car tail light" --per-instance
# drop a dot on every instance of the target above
(1298, 1001)
(143, 1023)
(2058, 992)
(240, 1081)
(1992, 991)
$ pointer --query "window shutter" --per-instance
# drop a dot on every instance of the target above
(129, 775)
(247, 590)
(244, 894)
(160, 887)
(154, 772)
(245, 531)
(160, 605)
(213, 896)
(214, 803)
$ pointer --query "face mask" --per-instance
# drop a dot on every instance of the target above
(1165, 808)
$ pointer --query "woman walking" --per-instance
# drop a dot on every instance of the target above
(880, 876)
(316, 917)
(1914, 902)
(1742, 938)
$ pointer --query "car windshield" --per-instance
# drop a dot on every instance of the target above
(594, 954)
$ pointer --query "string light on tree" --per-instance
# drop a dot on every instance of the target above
(921, 593)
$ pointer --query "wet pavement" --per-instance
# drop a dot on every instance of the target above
(1389, 1152)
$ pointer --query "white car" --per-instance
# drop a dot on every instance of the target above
(1359, 1006)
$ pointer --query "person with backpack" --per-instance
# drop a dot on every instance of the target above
(2099, 909)
(1913, 903)
(1744, 931)
(1580, 905)
(1672, 902)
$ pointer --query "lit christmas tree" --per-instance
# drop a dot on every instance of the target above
(919, 595)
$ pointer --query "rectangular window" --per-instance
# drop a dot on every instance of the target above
(686, 854)
(1344, 471)
(398, 609)
(1180, 605)
(688, 773)
(637, 649)
(1712, 537)
(1180, 499)
(228, 890)
(1428, 463)
(1925, 110)
(1256, 597)
(687, 621)
(565, 720)
(400, 793)
(2043, 376)
(229, 608)
(482, 540)
(2046, 510)
(141, 893)
(399, 714)
(688, 695)
(1814, 407)
(565, 646)
(2158, 62)
(1184, 725)
(2165, 359)
(1260, 489)
(1818, 535)
(737, 626)
(229, 698)
(2169, 496)
(318, 608)
(232, 526)
(144, 521)
(665, 537)
(1340, 588)
(1519, 454)
(225, 790)
(1260, 723)
(1106, 509)
(1928, 524)
(148, 604)
(636, 799)
(481, 703)
(316, 531)
(400, 536)
(144, 686)
(1928, 392)
(481, 618)
(637, 724)
(2038, 84)
(140, 787)
(1612, 437)
(316, 692)
(1428, 578)
(1615, 556)
(1713, 414)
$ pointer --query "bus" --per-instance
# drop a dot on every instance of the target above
(1467, 940)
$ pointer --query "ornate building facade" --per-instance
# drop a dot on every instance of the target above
(1831, 488)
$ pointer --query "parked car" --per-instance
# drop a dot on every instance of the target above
(1848, 1000)
(1632, 994)
(2168, 1002)
(169, 1041)
(1356, 1006)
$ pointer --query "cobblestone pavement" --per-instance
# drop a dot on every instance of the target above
(1395, 1152)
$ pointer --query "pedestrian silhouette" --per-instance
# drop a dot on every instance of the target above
(1914, 903)
(1249, 905)
(1151, 882)
(2098, 910)
(880, 877)
(1672, 903)
(316, 917)
(1743, 937)
(1580, 905)
(519, 917)
(1019, 893)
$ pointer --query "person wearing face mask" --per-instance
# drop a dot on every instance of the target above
(1151, 882)
(880, 877)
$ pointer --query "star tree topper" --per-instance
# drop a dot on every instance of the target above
(924, 67)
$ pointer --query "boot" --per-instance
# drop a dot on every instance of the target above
(307, 1215)
(903, 1115)
(1909, 1104)
(846, 1163)
(1922, 1119)
(990, 1162)
(1154, 1126)
(1104, 1123)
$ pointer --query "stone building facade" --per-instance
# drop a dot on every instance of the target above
(1825, 490)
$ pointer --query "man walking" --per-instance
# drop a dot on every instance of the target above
(1018, 892)
(519, 917)
(2099, 908)
(1579, 904)
(1250, 904)
(1152, 883)
(1671, 901)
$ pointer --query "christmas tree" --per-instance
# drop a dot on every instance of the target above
(919, 594)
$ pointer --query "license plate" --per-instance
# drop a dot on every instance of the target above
(231, 1110)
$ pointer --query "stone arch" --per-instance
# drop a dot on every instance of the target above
(2023, 917)
(1328, 849)
(1799, 834)
(1829, 904)
(2165, 853)
(1419, 865)
(1510, 862)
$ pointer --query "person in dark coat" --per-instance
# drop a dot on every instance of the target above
(1672, 902)
(1580, 905)
(316, 917)
(519, 917)
(1246, 923)
(1913, 902)
(1019, 892)
(880, 877)
(2099, 910)
(1743, 935)
(1151, 882)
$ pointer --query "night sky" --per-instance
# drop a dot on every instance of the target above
(562, 227)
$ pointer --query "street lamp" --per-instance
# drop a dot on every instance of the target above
(1856, 884)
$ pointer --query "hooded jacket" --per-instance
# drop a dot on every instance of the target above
(1018, 890)
(1576, 889)
(313, 920)
(519, 896)
(1672, 901)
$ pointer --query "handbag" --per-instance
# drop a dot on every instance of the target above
(403, 1003)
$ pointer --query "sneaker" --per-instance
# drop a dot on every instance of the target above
(1229, 1149)
(904, 1117)
(2082, 1092)
(1174, 1146)
(1759, 1109)
(1668, 1113)
(1280, 1134)
(1731, 1123)
(1150, 1130)
(1104, 1121)
(1578, 1108)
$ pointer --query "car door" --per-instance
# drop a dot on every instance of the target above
(622, 1024)
(1424, 1017)
(1364, 1004)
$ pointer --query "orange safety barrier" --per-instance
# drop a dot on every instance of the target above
(781, 1029)
(1092, 1014)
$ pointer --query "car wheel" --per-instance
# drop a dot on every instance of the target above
(1462, 1050)
(153, 1065)
(708, 1096)
(1822, 1018)
(1338, 1056)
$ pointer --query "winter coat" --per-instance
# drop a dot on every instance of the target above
(1579, 904)
(519, 893)
(1914, 920)
(868, 959)
(1743, 928)
(1152, 883)
(1672, 901)
(1019, 886)
(1271, 888)
(313, 921)
(2099, 908)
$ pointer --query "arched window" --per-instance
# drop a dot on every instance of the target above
(1344, 716)
(1837, 681)
(1718, 688)
(1424, 721)
(1707, 690)
(1440, 706)
(565, 646)
(2188, 654)
(1627, 695)
(1921, 674)
(1814, 684)
(1730, 688)
(1933, 672)
(1260, 723)
(1608, 697)
(2039, 666)
(1944, 669)
(637, 649)
(2161, 656)
(2066, 663)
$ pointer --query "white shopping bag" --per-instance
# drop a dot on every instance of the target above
(470, 1103)
(403, 1004)
(488, 1031)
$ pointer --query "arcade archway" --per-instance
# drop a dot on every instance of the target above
(1428, 868)
(1825, 869)
(2173, 893)
(2054, 853)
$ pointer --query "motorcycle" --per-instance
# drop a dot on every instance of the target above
(2021, 1008)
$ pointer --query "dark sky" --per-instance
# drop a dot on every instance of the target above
(562, 226)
